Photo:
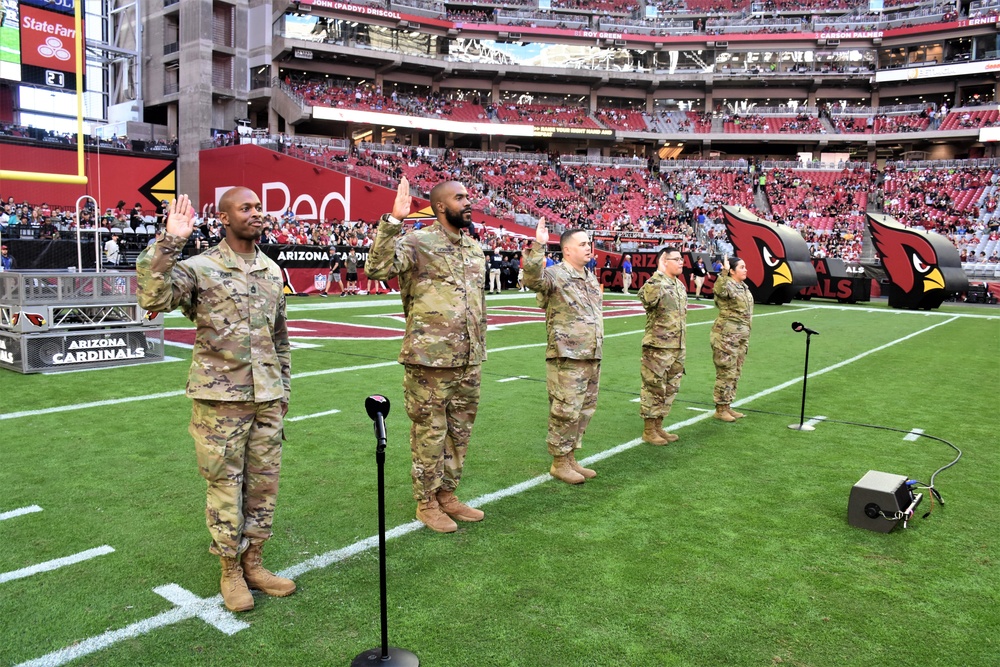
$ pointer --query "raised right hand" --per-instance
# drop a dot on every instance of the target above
(401, 207)
(542, 233)
(180, 217)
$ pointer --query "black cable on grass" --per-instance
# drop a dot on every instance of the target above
(930, 487)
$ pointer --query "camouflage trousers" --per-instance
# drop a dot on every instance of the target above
(572, 385)
(442, 405)
(661, 372)
(729, 349)
(238, 445)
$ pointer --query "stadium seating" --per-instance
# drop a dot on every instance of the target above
(546, 114)
(623, 119)
(967, 119)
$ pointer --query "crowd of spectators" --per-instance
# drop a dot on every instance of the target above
(471, 15)
(599, 6)
(959, 202)
(930, 118)
(619, 201)
(826, 207)
(546, 114)
(474, 107)
(123, 143)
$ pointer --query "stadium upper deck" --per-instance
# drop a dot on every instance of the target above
(623, 78)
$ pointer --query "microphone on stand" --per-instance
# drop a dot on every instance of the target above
(377, 407)
(796, 326)
(802, 426)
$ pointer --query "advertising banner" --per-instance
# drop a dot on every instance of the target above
(48, 48)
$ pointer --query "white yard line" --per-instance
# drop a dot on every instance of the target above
(295, 376)
(20, 511)
(891, 311)
(517, 377)
(815, 420)
(55, 564)
(164, 360)
(912, 436)
(312, 416)
(191, 610)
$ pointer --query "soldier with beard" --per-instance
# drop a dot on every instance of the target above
(240, 378)
(442, 274)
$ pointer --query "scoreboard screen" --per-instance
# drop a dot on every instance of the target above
(38, 43)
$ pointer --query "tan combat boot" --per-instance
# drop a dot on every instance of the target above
(261, 579)
(722, 413)
(738, 415)
(562, 470)
(430, 513)
(586, 472)
(651, 435)
(234, 589)
(456, 509)
(669, 437)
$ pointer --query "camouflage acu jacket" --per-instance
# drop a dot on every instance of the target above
(573, 303)
(665, 301)
(241, 350)
(735, 303)
(442, 277)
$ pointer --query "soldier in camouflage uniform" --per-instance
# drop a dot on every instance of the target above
(240, 378)
(665, 300)
(730, 334)
(574, 320)
(442, 273)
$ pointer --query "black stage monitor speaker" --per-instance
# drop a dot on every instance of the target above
(880, 500)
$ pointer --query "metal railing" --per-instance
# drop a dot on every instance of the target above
(652, 27)
(979, 163)
(742, 165)
(599, 160)
(479, 156)
(882, 21)
(896, 110)
(541, 19)
(777, 111)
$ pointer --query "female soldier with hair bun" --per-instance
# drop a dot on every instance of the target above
(730, 334)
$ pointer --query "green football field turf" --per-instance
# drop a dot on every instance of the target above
(729, 547)
(10, 45)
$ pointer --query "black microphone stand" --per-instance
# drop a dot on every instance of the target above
(384, 653)
(802, 426)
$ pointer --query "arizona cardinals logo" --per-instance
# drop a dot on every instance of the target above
(906, 255)
(777, 258)
(36, 319)
(921, 265)
(757, 244)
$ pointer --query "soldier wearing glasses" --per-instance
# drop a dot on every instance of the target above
(665, 299)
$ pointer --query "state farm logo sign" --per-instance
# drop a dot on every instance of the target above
(53, 48)
(48, 39)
